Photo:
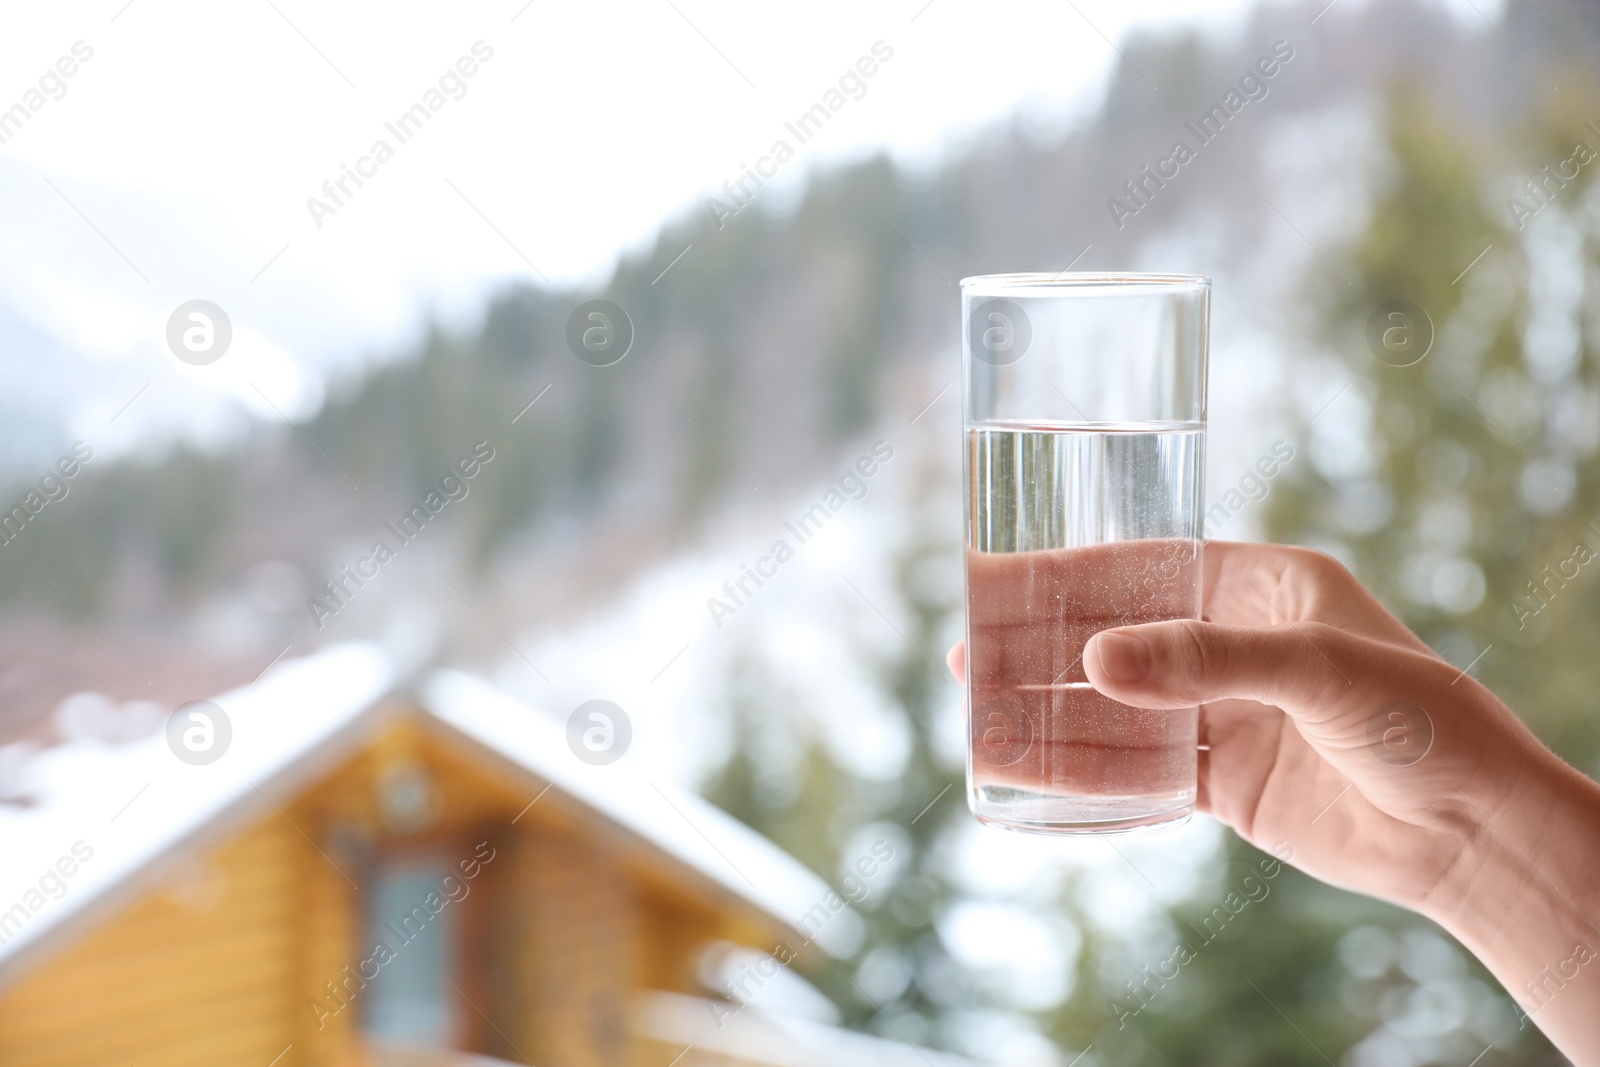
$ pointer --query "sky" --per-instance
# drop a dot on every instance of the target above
(177, 159)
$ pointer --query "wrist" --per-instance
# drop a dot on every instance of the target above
(1522, 895)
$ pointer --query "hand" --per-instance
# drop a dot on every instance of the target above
(1337, 738)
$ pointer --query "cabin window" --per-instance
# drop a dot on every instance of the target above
(411, 1001)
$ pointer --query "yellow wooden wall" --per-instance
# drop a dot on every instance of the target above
(576, 949)
(220, 964)
(199, 973)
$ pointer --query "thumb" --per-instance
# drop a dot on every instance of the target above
(1310, 670)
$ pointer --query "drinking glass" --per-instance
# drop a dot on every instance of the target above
(1085, 416)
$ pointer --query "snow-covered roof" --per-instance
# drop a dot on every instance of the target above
(129, 805)
(104, 816)
(695, 833)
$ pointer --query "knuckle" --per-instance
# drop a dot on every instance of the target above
(1324, 634)
(1333, 659)
(1323, 567)
(1197, 653)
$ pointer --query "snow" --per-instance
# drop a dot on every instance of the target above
(752, 1035)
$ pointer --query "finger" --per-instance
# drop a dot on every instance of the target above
(1312, 671)
(956, 660)
(1090, 586)
(1243, 741)
(1266, 585)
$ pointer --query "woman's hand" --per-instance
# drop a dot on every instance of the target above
(1332, 735)
(1331, 727)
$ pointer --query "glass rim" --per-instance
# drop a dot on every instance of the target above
(1046, 280)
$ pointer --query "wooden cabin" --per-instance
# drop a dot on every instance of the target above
(373, 874)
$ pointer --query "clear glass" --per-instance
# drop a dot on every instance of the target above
(1085, 416)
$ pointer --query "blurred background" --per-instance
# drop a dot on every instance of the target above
(791, 310)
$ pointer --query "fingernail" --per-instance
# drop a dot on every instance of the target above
(1124, 657)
